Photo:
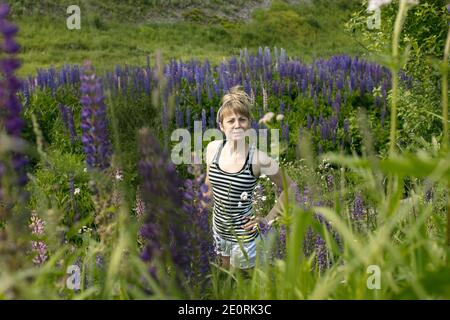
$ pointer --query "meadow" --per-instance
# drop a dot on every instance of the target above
(93, 207)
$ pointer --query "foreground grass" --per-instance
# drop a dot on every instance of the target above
(306, 31)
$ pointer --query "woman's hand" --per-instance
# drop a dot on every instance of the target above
(253, 222)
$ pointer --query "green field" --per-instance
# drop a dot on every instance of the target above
(304, 30)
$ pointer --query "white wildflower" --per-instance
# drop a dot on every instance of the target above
(244, 195)
(77, 191)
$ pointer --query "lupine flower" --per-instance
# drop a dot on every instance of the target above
(139, 206)
(358, 208)
(67, 117)
(37, 227)
(195, 206)
(93, 121)
(203, 120)
(166, 226)
(40, 248)
(10, 106)
(330, 182)
(322, 254)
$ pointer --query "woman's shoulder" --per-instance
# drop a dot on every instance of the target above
(213, 145)
(211, 148)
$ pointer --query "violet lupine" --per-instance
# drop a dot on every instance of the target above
(10, 106)
(358, 208)
(322, 254)
(212, 118)
(94, 124)
(40, 248)
(166, 228)
(285, 132)
(203, 120)
(67, 117)
(195, 206)
(330, 182)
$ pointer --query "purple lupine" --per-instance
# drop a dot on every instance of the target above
(67, 117)
(322, 254)
(347, 129)
(188, 117)
(195, 206)
(166, 227)
(203, 120)
(285, 132)
(10, 106)
(40, 248)
(330, 182)
(309, 242)
(358, 208)
(212, 118)
(36, 225)
(94, 123)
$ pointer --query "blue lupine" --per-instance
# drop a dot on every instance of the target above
(212, 118)
(67, 117)
(358, 208)
(10, 106)
(94, 123)
(166, 228)
(195, 206)
(203, 120)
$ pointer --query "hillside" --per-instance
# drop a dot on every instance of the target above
(119, 32)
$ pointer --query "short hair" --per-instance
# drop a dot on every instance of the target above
(236, 100)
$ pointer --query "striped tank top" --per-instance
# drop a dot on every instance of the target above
(233, 197)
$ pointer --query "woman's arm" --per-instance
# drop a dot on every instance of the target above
(210, 149)
(266, 165)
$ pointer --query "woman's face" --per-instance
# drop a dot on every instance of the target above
(234, 125)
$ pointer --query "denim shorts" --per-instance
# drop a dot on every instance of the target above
(238, 259)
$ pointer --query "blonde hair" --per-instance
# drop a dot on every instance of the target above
(236, 100)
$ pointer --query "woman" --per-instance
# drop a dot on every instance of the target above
(233, 168)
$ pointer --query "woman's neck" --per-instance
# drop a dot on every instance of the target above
(235, 148)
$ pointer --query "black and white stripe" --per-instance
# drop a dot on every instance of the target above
(230, 208)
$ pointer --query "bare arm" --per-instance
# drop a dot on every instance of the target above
(272, 170)
(210, 151)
